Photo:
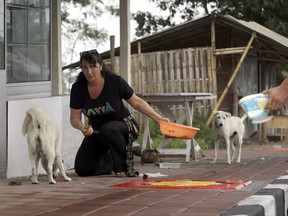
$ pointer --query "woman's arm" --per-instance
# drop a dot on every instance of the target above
(143, 107)
(76, 122)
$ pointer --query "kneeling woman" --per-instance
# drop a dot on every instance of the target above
(98, 94)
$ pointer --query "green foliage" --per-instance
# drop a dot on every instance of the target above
(272, 14)
(155, 130)
(283, 73)
(175, 143)
(204, 136)
(148, 23)
(79, 23)
(155, 134)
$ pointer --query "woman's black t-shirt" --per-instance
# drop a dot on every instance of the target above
(108, 106)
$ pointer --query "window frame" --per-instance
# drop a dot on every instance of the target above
(4, 39)
(31, 89)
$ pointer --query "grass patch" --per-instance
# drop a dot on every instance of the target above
(204, 136)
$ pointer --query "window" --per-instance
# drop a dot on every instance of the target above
(28, 40)
(2, 33)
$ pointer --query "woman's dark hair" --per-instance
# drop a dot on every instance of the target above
(93, 57)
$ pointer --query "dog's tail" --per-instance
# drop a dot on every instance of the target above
(243, 117)
(26, 122)
(32, 117)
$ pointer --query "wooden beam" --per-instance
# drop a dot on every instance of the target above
(276, 53)
(268, 59)
(112, 52)
(226, 51)
(232, 78)
(278, 122)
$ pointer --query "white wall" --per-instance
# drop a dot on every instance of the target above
(58, 109)
(71, 138)
(3, 148)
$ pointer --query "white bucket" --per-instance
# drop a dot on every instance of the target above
(254, 105)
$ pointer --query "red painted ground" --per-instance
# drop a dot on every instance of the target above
(186, 184)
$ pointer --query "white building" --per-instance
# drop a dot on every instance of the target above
(31, 75)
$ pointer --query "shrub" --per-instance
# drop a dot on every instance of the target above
(204, 136)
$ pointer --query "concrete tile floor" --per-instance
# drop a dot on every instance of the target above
(92, 195)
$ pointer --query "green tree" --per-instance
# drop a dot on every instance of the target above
(79, 23)
(272, 14)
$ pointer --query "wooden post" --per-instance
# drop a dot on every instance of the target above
(232, 78)
(140, 68)
(213, 58)
(112, 52)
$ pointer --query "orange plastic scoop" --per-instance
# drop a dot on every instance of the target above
(177, 130)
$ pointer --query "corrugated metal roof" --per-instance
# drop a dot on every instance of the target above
(191, 34)
(265, 32)
(271, 41)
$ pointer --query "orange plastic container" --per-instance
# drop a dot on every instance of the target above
(177, 130)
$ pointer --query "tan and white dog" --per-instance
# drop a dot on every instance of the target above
(43, 139)
(231, 129)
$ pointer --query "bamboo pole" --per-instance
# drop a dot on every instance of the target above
(213, 59)
(232, 78)
(139, 67)
(226, 51)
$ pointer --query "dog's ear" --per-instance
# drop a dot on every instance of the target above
(228, 114)
(215, 112)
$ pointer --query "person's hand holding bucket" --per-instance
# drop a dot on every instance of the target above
(255, 107)
(278, 96)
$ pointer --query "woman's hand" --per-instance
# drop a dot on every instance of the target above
(76, 122)
(163, 119)
(87, 131)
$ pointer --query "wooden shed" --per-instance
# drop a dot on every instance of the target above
(227, 57)
(219, 54)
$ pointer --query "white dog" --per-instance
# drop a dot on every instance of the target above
(43, 138)
(231, 129)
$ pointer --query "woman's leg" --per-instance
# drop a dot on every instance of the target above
(87, 157)
(114, 134)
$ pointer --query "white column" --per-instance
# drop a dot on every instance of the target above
(3, 100)
(125, 54)
(56, 55)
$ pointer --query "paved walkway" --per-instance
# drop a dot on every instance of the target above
(92, 195)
